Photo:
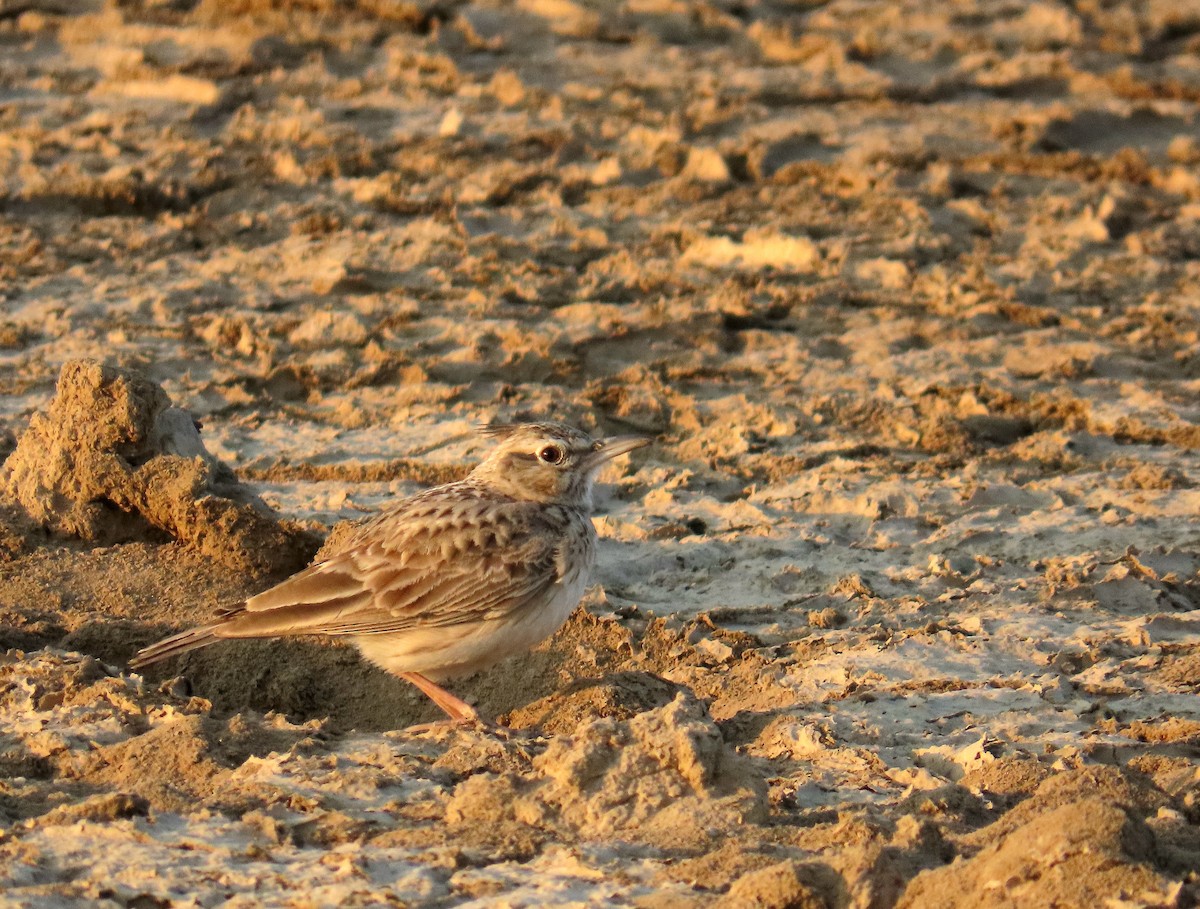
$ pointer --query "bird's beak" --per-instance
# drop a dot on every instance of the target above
(614, 447)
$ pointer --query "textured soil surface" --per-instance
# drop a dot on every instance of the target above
(901, 609)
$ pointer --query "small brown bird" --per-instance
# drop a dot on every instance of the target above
(451, 580)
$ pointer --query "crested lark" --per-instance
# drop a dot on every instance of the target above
(453, 579)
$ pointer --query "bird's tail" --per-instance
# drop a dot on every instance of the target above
(185, 641)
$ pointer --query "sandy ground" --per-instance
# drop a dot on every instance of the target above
(902, 607)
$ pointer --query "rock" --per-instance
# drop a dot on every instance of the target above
(664, 777)
(1077, 841)
(706, 165)
(105, 806)
(780, 886)
(330, 329)
(113, 461)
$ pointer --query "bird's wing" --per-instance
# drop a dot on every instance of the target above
(422, 568)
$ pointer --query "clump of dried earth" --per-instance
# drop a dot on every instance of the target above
(901, 609)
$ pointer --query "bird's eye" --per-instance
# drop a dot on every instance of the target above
(552, 454)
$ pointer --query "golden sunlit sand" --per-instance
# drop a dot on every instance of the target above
(901, 607)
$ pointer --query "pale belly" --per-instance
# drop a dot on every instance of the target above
(460, 650)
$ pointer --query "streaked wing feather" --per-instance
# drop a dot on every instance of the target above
(304, 617)
(456, 601)
(323, 582)
(418, 576)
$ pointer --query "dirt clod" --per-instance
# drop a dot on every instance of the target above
(111, 460)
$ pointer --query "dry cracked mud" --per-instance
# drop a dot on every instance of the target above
(901, 609)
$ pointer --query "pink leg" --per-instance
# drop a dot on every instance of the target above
(457, 709)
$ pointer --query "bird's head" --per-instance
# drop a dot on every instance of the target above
(548, 462)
